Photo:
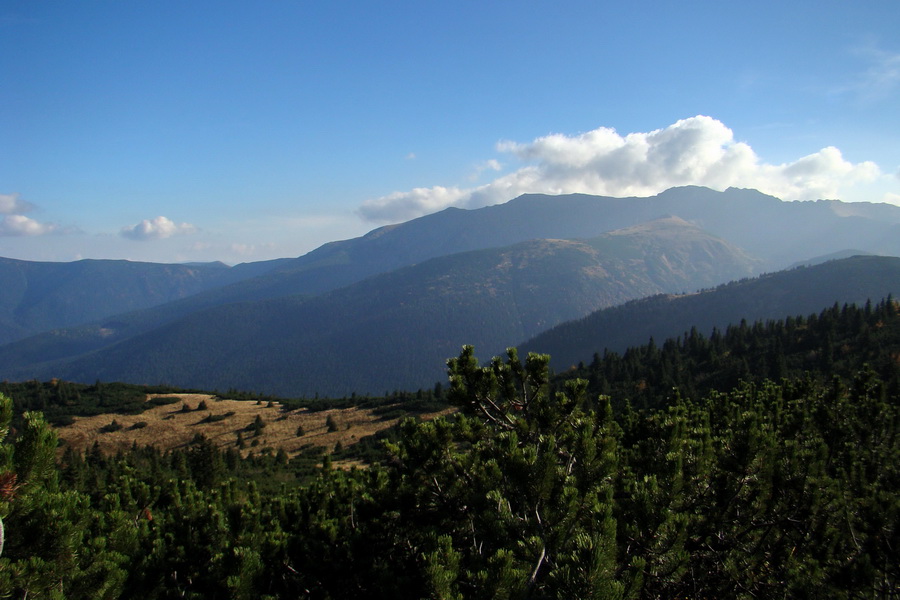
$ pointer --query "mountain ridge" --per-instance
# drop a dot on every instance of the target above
(38, 296)
(798, 291)
(762, 230)
(780, 233)
(407, 321)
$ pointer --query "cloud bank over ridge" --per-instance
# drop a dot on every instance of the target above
(695, 151)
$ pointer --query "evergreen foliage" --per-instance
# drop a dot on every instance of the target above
(838, 341)
(60, 400)
(742, 486)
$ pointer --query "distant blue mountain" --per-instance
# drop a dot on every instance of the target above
(392, 330)
(71, 310)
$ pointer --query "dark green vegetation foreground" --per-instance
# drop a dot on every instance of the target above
(766, 489)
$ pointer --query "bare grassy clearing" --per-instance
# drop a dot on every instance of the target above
(223, 421)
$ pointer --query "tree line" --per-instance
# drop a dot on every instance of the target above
(537, 488)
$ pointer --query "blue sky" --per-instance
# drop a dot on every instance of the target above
(240, 131)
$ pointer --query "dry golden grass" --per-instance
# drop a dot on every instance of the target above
(167, 427)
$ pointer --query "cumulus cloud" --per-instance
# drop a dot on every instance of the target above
(20, 225)
(418, 201)
(15, 223)
(695, 151)
(156, 229)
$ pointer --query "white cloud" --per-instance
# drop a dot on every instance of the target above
(418, 201)
(819, 175)
(11, 204)
(492, 165)
(489, 165)
(695, 151)
(15, 223)
(20, 225)
(156, 229)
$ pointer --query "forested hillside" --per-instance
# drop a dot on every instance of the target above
(767, 488)
(405, 322)
(774, 296)
(100, 304)
(835, 343)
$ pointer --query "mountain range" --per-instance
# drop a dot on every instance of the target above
(384, 310)
(41, 296)
(790, 293)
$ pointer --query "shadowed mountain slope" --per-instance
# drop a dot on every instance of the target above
(37, 296)
(395, 330)
(799, 291)
(779, 233)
